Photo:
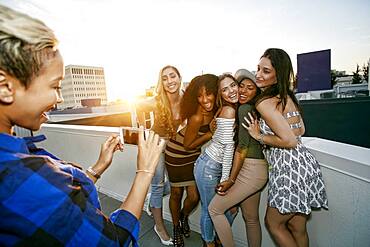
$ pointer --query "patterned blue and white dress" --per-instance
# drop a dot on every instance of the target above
(295, 180)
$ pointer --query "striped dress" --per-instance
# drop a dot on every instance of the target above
(180, 162)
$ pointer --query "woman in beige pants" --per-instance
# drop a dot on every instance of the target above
(247, 177)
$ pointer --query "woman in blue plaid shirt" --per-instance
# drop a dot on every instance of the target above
(43, 201)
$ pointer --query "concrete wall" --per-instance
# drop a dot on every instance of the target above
(346, 170)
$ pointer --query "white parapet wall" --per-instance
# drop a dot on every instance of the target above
(346, 171)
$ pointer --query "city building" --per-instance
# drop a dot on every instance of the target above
(83, 86)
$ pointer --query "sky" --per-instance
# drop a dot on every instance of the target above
(133, 40)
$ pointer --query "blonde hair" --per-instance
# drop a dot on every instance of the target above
(163, 106)
(25, 44)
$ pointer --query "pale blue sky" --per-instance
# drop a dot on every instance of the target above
(132, 40)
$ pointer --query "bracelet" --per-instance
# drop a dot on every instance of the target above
(93, 173)
(146, 171)
(232, 180)
(260, 139)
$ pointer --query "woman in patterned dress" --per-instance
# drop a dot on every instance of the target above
(295, 180)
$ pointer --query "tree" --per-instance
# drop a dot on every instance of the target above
(365, 71)
(333, 77)
(356, 79)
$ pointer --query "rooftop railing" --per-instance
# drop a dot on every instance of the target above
(345, 168)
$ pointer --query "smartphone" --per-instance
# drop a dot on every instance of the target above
(130, 135)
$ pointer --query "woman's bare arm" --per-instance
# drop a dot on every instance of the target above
(284, 136)
(149, 151)
(192, 140)
(227, 112)
(238, 161)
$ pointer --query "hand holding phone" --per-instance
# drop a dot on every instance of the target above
(149, 150)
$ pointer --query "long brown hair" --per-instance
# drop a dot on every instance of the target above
(282, 64)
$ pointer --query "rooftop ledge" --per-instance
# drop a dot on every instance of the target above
(345, 168)
(331, 153)
(326, 151)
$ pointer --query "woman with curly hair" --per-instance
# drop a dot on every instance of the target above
(197, 108)
(166, 108)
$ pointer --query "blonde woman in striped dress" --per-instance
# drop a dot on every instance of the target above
(166, 108)
(214, 165)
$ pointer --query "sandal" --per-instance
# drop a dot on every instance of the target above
(185, 225)
(178, 241)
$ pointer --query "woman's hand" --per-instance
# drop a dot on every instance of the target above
(213, 125)
(223, 187)
(252, 126)
(107, 149)
(149, 151)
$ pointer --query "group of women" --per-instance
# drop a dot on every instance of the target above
(226, 137)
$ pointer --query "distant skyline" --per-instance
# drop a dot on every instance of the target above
(132, 40)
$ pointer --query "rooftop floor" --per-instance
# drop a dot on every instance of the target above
(147, 236)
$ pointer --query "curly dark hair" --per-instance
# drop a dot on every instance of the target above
(190, 99)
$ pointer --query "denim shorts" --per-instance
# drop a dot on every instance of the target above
(160, 186)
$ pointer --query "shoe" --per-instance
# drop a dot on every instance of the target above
(164, 242)
(178, 241)
(185, 225)
(206, 245)
(147, 205)
(218, 243)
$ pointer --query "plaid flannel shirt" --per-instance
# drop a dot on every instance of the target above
(44, 202)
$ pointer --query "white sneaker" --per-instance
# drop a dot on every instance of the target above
(147, 205)
(164, 242)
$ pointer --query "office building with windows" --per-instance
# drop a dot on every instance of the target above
(83, 85)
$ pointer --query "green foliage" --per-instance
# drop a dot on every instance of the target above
(333, 78)
(365, 71)
(356, 79)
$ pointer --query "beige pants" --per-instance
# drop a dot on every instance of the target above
(246, 190)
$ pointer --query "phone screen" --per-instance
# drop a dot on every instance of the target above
(130, 135)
